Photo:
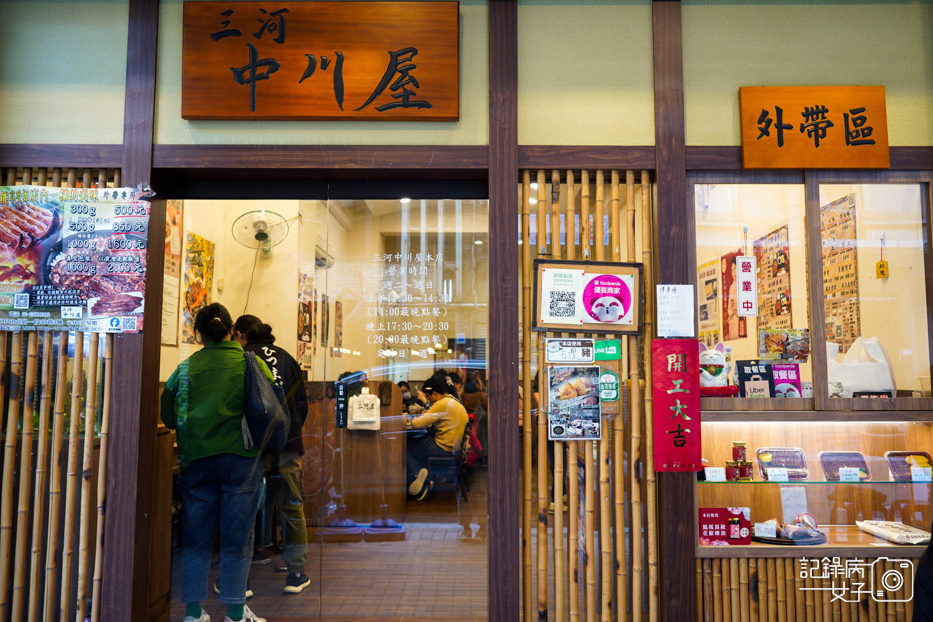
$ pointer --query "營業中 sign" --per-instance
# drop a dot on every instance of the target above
(814, 127)
(348, 61)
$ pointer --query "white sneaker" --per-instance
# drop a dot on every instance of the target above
(416, 486)
(248, 616)
(204, 618)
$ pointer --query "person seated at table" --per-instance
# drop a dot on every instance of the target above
(409, 398)
(447, 419)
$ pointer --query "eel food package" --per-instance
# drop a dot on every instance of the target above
(895, 532)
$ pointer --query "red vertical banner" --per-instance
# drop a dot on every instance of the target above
(676, 389)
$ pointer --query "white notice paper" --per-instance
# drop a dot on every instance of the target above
(848, 474)
(715, 474)
(765, 530)
(793, 502)
(675, 311)
(777, 474)
(921, 474)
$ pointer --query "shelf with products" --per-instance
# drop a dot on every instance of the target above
(880, 452)
(726, 416)
(842, 541)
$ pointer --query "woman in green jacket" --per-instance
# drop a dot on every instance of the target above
(204, 402)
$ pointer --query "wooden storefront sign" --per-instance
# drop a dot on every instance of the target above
(348, 61)
(814, 127)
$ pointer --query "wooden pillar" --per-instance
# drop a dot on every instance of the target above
(135, 396)
(678, 579)
(504, 486)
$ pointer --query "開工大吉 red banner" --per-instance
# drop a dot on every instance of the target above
(676, 392)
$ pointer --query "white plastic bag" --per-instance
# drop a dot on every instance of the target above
(865, 367)
(895, 532)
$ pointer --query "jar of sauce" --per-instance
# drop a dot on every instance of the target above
(735, 529)
(732, 471)
(738, 451)
(746, 472)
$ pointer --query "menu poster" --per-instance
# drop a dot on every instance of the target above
(676, 391)
(784, 344)
(573, 403)
(72, 258)
(305, 354)
(171, 278)
(199, 281)
(771, 251)
(755, 379)
(725, 526)
(708, 303)
(733, 326)
(840, 271)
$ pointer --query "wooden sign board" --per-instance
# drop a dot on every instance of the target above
(593, 297)
(814, 127)
(347, 61)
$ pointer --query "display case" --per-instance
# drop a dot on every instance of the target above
(846, 264)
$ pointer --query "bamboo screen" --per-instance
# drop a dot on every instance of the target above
(760, 589)
(55, 409)
(605, 568)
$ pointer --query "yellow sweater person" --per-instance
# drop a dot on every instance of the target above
(447, 418)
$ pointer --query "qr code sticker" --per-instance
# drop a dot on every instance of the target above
(562, 304)
(129, 324)
(21, 301)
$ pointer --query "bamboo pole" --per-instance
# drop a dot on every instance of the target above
(707, 591)
(56, 177)
(781, 589)
(845, 613)
(41, 459)
(55, 468)
(726, 571)
(101, 178)
(734, 578)
(599, 229)
(699, 590)
(743, 590)
(717, 589)
(890, 606)
(27, 176)
(809, 606)
(90, 416)
(542, 559)
(528, 421)
(800, 609)
(9, 459)
(25, 478)
(618, 459)
(41, 177)
(771, 590)
(102, 480)
(559, 604)
(116, 178)
(869, 605)
(754, 589)
(72, 478)
(827, 603)
(11, 177)
(573, 593)
(589, 526)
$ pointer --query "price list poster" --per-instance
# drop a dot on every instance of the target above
(72, 258)
(774, 301)
(708, 303)
(840, 271)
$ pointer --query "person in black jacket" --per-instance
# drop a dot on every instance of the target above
(283, 472)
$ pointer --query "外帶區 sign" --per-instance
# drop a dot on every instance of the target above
(72, 259)
(814, 127)
(348, 61)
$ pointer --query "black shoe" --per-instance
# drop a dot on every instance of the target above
(249, 592)
(295, 583)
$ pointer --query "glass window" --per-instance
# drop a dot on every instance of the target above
(875, 291)
(764, 354)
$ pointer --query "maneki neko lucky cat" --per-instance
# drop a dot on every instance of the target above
(715, 365)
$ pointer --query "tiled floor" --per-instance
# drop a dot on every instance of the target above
(429, 576)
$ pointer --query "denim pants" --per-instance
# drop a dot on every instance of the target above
(284, 490)
(419, 450)
(220, 491)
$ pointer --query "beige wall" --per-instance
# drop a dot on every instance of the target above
(471, 129)
(791, 43)
(585, 73)
(63, 71)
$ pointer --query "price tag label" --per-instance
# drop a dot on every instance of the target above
(848, 474)
(715, 474)
(921, 474)
(765, 530)
(777, 474)
(570, 350)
